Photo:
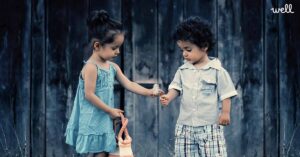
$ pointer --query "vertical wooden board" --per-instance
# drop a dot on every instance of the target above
(6, 115)
(170, 13)
(145, 66)
(15, 76)
(77, 41)
(128, 67)
(252, 81)
(230, 53)
(271, 112)
(289, 71)
(24, 81)
(38, 90)
(114, 9)
(57, 83)
(6, 112)
(206, 9)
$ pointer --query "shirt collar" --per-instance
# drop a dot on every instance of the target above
(213, 63)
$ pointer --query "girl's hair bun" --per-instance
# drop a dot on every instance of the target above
(102, 15)
(102, 27)
(97, 18)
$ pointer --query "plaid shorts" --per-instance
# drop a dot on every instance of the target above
(200, 141)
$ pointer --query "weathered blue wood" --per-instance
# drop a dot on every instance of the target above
(271, 87)
(22, 112)
(57, 82)
(170, 58)
(289, 78)
(229, 46)
(252, 81)
(145, 67)
(15, 78)
(38, 88)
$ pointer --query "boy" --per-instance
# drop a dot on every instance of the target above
(202, 82)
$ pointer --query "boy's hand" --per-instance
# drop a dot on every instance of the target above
(115, 113)
(164, 100)
(224, 119)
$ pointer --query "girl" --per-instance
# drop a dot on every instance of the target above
(90, 128)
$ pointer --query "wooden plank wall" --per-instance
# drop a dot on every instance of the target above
(43, 44)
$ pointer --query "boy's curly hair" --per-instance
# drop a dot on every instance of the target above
(195, 30)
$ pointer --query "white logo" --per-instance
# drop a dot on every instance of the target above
(286, 9)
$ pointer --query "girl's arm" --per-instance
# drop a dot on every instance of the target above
(224, 118)
(131, 86)
(90, 78)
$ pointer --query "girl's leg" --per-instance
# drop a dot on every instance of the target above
(101, 155)
(90, 155)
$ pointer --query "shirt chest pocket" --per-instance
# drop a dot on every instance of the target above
(209, 85)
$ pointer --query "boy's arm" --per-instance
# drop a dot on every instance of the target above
(226, 105)
(224, 118)
(172, 94)
(175, 88)
(131, 86)
(226, 90)
(167, 98)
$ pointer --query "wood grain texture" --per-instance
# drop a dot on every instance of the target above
(57, 82)
(38, 88)
(289, 81)
(15, 78)
(170, 58)
(230, 52)
(145, 67)
(271, 87)
(252, 81)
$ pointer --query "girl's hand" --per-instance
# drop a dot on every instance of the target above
(115, 113)
(224, 119)
(164, 100)
(155, 93)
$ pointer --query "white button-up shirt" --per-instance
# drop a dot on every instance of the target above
(201, 89)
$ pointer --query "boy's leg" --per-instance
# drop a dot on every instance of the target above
(185, 143)
(213, 143)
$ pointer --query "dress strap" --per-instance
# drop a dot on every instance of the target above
(91, 62)
(113, 66)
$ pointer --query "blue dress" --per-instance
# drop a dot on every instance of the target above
(90, 129)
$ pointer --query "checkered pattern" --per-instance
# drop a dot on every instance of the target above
(201, 141)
